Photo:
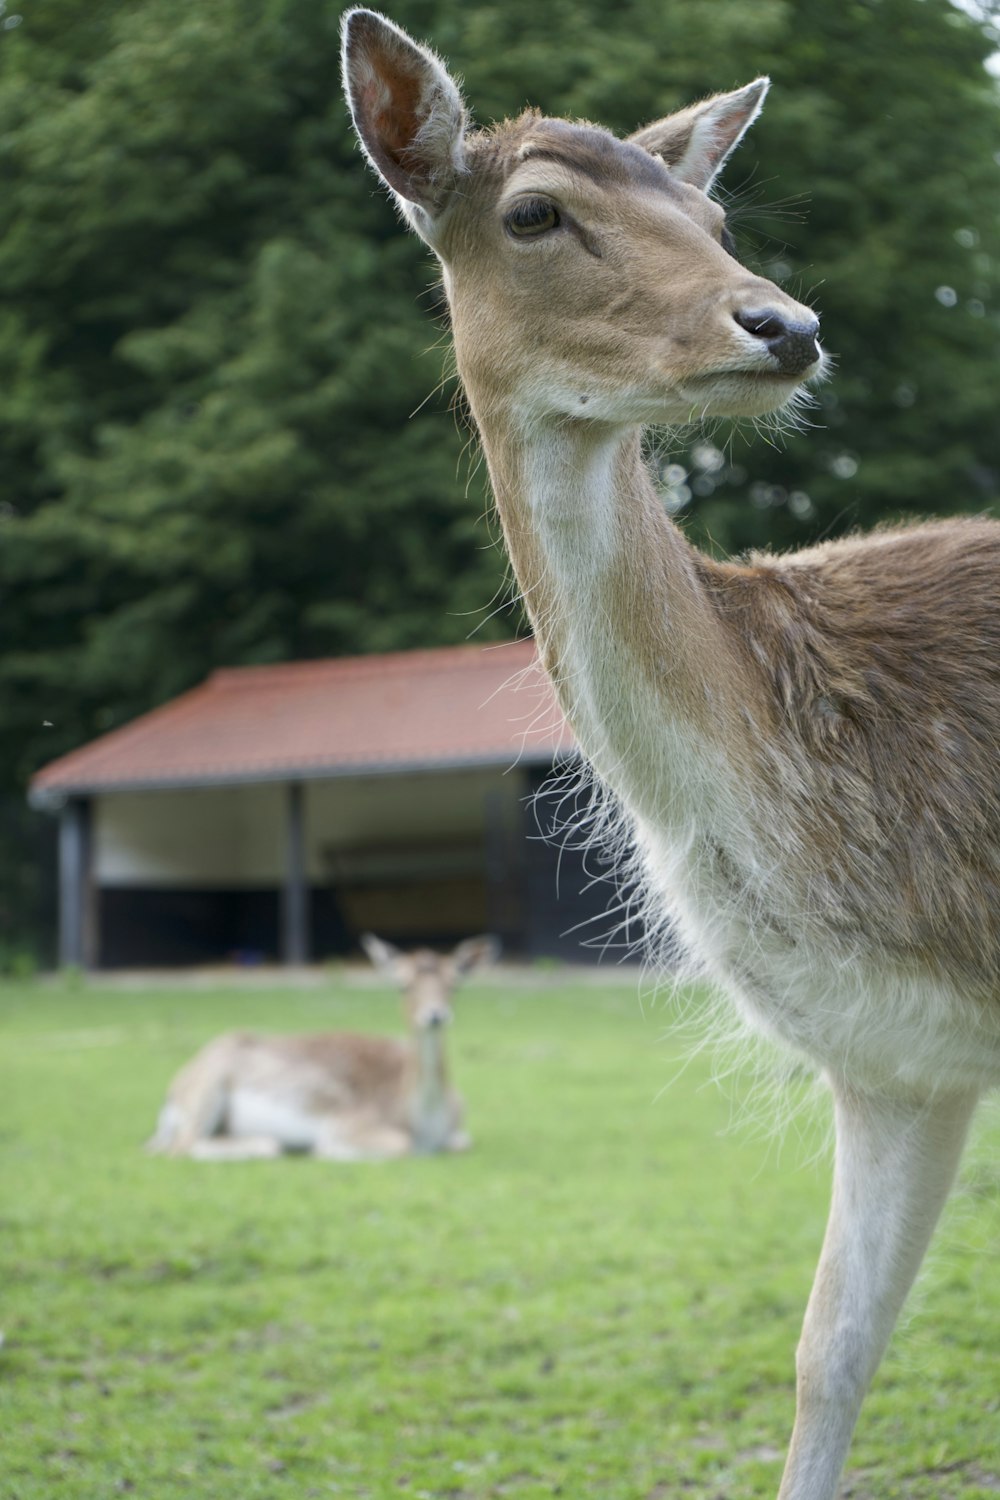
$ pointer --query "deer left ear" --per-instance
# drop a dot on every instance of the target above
(696, 142)
(475, 953)
(407, 111)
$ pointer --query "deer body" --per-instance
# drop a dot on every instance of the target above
(772, 801)
(804, 748)
(344, 1096)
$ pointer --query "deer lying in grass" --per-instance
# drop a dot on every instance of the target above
(338, 1095)
(806, 747)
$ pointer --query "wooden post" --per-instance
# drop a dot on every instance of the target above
(504, 845)
(77, 926)
(295, 893)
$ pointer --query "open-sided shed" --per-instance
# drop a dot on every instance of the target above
(279, 811)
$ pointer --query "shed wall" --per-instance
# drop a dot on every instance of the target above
(195, 875)
(234, 836)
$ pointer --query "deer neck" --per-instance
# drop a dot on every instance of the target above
(616, 595)
(430, 1096)
(430, 1057)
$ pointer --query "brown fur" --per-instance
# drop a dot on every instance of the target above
(876, 662)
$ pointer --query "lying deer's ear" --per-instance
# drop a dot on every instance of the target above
(475, 953)
(388, 960)
(407, 111)
(696, 142)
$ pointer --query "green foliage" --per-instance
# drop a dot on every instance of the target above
(600, 1300)
(214, 340)
(17, 963)
(211, 459)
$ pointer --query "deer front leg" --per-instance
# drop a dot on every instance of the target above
(235, 1148)
(895, 1161)
(361, 1139)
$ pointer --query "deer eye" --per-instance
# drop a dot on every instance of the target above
(532, 216)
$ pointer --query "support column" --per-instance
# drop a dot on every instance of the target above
(295, 893)
(504, 846)
(77, 908)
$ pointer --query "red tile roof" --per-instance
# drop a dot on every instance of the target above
(459, 706)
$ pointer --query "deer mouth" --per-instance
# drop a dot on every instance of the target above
(756, 375)
(743, 393)
(770, 375)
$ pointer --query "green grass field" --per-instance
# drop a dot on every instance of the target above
(601, 1300)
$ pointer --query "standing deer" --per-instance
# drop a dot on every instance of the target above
(804, 747)
(339, 1095)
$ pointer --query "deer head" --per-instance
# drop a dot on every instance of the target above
(427, 979)
(588, 277)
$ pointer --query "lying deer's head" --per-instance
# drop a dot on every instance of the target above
(427, 979)
(587, 276)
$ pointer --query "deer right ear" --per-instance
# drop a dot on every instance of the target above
(696, 142)
(408, 114)
(381, 953)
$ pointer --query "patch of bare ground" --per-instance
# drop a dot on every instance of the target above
(961, 1475)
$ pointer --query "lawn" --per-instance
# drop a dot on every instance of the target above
(600, 1300)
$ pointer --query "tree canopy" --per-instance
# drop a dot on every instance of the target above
(225, 436)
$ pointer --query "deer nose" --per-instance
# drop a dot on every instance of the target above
(792, 344)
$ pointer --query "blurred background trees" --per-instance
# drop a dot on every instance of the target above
(213, 348)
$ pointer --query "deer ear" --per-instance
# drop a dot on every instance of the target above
(407, 111)
(388, 960)
(475, 953)
(696, 142)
